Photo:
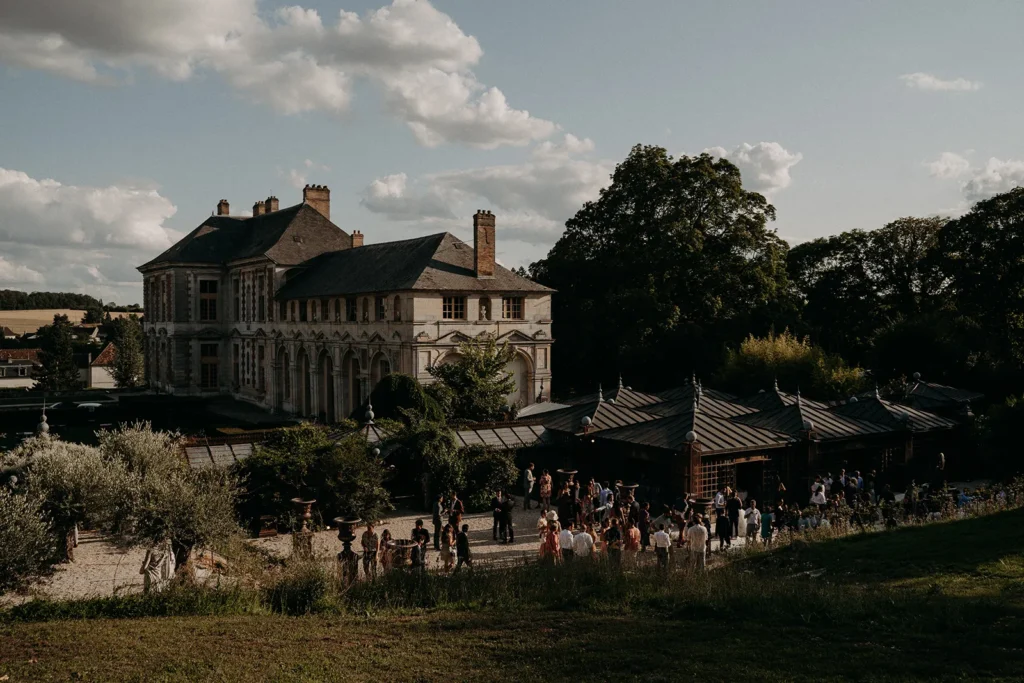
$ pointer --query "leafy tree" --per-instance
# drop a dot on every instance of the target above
(76, 485)
(795, 363)
(93, 313)
(428, 452)
(163, 498)
(59, 372)
(476, 385)
(1000, 438)
(14, 300)
(487, 471)
(26, 538)
(345, 478)
(673, 260)
(129, 365)
(397, 393)
(982, 256)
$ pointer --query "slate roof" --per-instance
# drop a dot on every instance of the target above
(289, 236)
(622, 395)
(434, 262)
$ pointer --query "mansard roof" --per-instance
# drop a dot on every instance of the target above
(288, 237)
(434, 262)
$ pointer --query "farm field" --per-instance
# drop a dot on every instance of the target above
(32, 319)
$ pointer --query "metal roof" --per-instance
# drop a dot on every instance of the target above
(603, 415)
(893, 415)
(518, 436)
(217, 456)
(940, 395)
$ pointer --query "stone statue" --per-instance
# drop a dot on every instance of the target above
(485, 308)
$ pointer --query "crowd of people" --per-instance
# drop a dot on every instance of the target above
(579, 522)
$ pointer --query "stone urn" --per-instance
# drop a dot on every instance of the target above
(346, 530)
(401, 552)
(566, 476)
(627, 491)
(302, 540)
(347, 559)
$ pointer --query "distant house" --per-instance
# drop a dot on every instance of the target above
(7, 333)
(18, 368)
(87, 332)
(101, 370)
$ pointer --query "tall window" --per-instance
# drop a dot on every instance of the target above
(512, 308)
(208, 363)
(235, 360)
(350, 309)
(207, 300)
(282, 310)
(396, 314)
(261, 378)
(238, 299)
(366, 310)
(325, 310)
(302, 311)
(382, 312)
(261, 306)
(337, 310)
(453, 308)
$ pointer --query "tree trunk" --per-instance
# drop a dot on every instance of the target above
(182, 557)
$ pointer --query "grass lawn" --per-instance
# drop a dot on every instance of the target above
(940, 602)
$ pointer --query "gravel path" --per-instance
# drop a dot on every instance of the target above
(100, 569)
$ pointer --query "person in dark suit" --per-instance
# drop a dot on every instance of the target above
(438, 519)
(508, 534)
(496, 511)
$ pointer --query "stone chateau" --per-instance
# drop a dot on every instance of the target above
(286, 310)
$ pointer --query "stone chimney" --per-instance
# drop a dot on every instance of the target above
(271, 204)
(357, 239)
(319, 197)
(258, 209)
(483, 243)
(223, 208)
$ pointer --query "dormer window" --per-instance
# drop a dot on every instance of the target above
(397, 312)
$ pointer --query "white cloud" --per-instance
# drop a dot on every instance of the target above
(289, 60)
(924, 81)
(995, 177)
(764, 166)
(388, 196)
(534, 198)
(949, 165)
(79, 237)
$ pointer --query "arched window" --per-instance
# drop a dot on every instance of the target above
(397, 313)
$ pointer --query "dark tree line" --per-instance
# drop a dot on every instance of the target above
(13, 300)
(675, 264)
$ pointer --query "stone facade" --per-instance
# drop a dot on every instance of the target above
(285, 337)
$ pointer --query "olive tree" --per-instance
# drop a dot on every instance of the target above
(27, 540)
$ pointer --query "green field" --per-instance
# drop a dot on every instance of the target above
(938, 602)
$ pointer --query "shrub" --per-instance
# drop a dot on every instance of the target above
(488, 471)
(26, 539)
(344, 478)
(304, 587)
(396, 394)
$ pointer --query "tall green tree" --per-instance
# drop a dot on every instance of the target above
(475, 386)
(982, 256)
(94, 313)
(59, 372)
(129, 365)
(672, 260)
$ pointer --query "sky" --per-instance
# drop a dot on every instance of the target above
(122, 123)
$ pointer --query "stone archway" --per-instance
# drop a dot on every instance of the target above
(325, 372)
(283, 379)
(303, 399)
(350, 383)
(519, 368)
(380, 367)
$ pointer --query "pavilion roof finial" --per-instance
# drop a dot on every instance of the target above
(620, 380)
(776, 382)
(600, 393)
(876, 391)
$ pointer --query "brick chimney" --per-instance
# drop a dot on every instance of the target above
(271, 204)
(258, 209)
(223, 208)
(483, 243)
(357, 239)
(319, 197)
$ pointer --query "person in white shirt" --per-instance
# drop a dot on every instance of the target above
(565, 538)
(582, 545)
(605, 492)
(818, 492)
(720, 500)
(753, 521)
(697, 539)
(662, 541)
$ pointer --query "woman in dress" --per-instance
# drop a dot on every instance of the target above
(550, 550)
(631, 543)
(385, 550)
(448, 547)
(545, 491)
